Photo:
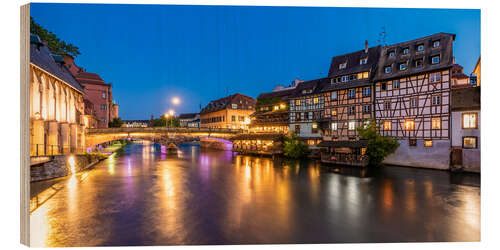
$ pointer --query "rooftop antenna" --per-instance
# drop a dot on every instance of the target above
(382, 36)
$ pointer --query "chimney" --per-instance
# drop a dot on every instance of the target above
(366, 46)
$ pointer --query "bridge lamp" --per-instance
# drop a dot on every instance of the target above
(176, 100)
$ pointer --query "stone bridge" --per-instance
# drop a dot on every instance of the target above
(210, 137)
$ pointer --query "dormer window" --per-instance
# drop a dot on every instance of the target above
(342, 65)
(420, 47)
(435, 44)
(388, 69)
(435, 60)
(392, 54)
(419, 63)
(406, 51)
(362, 61)
(402, 66)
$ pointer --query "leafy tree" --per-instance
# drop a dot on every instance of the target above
(56, 45)
(159, 122)
(294, 147)
(116, 123)
(379, 146)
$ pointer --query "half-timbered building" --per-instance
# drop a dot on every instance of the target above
(306, 110)
(412, 99)
(271, 111)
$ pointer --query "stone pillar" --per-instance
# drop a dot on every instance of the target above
(65, 138)
(73, 137)
(37, 137)
(52, 143)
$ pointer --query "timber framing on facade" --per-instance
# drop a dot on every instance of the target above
(412, 88)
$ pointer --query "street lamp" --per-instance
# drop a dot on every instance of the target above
(171, 112)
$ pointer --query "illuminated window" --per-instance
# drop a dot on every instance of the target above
(342, 65)
(276, 107)
(333, 95)
(363, 151)
(435, 77)
(334, 126)
(282, 106)
(387, 125)
(334, 111)
(297, 102)
(469, 142)
(469, 120)
(314, 128)
(234, 106)
(409, 125)
(103, 95)
(412, 142)
(428, 143)
(316, 100)
(436, 123)
(352, 125)
(365, 75)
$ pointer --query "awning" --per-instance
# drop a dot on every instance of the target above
(258, 136)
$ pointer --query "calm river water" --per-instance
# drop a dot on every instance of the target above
(145, 197)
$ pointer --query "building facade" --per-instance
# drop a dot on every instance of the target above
(56, 104)
(412, 99)
(232, 112)
(187, 119)
(466, 129)
(272, 111)
(348, 104)
(96, 91)
(306, 106)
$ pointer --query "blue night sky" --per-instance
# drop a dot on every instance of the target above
(151, 53)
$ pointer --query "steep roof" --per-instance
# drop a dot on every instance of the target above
(41, 56)
(353, 60)
(243, 102)
(274, 97)
(310, 87)
(444, 51)
(90, 78)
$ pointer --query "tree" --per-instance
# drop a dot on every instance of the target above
(379, 146)
(116, 123)
(159, 122)
(294, 147)
(55, 45)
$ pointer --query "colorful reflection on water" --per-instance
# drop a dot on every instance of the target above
(144, 196)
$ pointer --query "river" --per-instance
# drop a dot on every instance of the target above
(142, 196)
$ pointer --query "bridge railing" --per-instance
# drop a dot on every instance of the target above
(165, 130)
(49, 150)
